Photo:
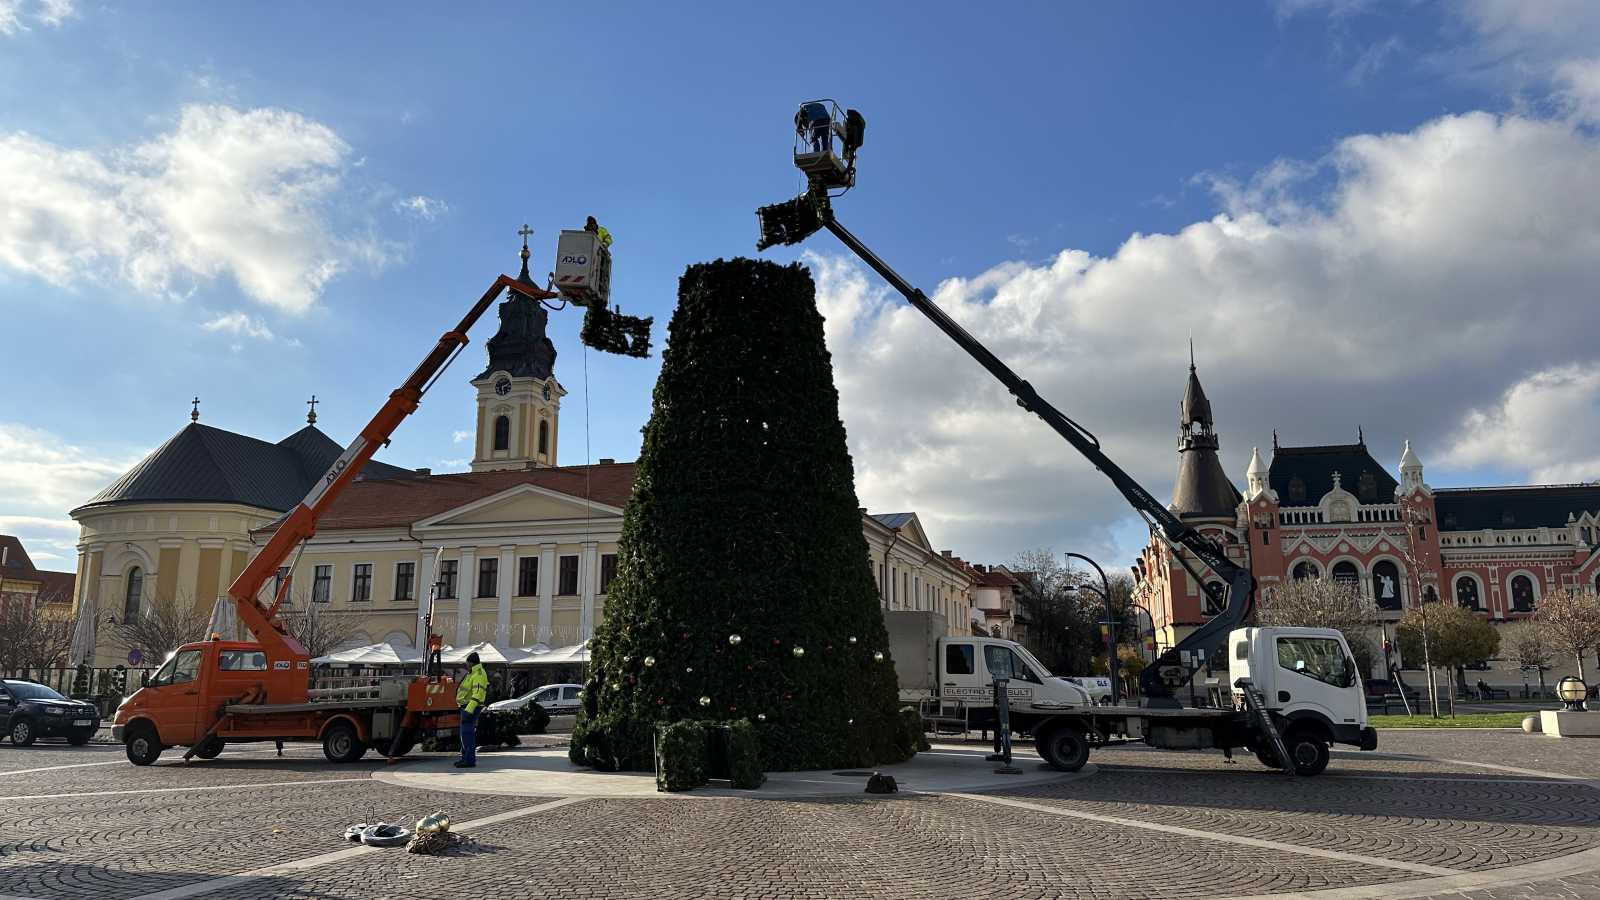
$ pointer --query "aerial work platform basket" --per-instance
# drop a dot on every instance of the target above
(825, 143)
(583, 268)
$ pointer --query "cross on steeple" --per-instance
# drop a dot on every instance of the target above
(311, 417)
(524, 231)
(194, 414)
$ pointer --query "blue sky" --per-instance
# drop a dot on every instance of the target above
(314, 191)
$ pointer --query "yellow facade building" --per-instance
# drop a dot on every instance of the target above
(519, 550)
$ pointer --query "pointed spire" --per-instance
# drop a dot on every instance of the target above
(524, 231)
(1196, 408)
(1257, 466)
(1274, 440)
(1361, 437)
(194, 413)
(1191, 354)
(311, 417)
(1409, 458)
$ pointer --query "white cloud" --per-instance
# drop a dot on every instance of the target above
(1400, 282)
(16, 14)
(1547, 424)
(42, 476)
(461, 437)
(242, 194)
(424, 208)
(239, 325)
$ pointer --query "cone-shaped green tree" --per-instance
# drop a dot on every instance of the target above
(743, 589)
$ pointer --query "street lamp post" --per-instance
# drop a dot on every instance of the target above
(1111, 624)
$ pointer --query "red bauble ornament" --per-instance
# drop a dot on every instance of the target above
(660, 702)
(776, 642)
(749, 668)
(731, 708)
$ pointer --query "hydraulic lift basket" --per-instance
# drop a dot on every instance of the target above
(583, 268)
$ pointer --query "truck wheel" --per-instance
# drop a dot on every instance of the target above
(22, 733)
(407, 740)
(142, 745)
(210, 748)
(1064, 748)
(341, 744)
(1268, 757)
(1308, 751)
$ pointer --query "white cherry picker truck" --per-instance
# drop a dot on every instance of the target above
(1295, 691)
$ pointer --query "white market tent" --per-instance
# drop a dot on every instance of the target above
(577, 654)
(489, 653)
(382, 654)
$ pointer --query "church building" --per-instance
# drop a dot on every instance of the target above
(1334, 511)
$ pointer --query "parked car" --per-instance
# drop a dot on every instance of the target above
(29, 711)
(1379, 688)
(556, 699)
(1098, 686)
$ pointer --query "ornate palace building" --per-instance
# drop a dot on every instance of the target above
(1336, 512)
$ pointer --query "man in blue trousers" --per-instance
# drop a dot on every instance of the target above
(470, 696)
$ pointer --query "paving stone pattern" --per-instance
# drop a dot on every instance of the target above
(1405, 804)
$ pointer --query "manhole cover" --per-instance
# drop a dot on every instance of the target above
(854, 774)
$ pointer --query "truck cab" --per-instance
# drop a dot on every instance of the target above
(182, 697)
(1308, 679)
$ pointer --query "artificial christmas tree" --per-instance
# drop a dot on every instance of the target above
(743, 589)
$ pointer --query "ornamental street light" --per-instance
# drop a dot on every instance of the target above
(1572, 692)
(1111, 623)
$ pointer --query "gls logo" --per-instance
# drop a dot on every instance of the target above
(575, 259)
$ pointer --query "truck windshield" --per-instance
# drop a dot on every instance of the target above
(1033, 661)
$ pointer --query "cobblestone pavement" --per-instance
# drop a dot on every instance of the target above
(82, 823)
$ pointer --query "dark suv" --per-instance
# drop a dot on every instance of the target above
(29, 711)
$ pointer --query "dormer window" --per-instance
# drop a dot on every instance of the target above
(1507, 517)
(1368, 488)
(1297, 489)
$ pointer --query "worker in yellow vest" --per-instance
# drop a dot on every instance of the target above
(471, 695)
(598, 230)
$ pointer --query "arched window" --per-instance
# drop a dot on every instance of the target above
(1386, 587)
(1305, 570)
(544, 436)
(502, 433)
(1429, 595)
(1522, 593)
(1467, 593)
(1214, 603)
(134, 594)
(1346, 573)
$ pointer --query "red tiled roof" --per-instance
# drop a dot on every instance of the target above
(56, 587)
(991, 578)
(380, 504)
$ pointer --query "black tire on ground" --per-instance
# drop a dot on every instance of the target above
(341, 744)
(142, 744)
(79, 738)
(210, 748)
(22, 732)
(1308, 750)
(1064, 748)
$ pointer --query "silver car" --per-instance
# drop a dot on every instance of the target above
(556, 699)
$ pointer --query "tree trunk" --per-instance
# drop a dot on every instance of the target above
(1452, 698)
(1579, 657)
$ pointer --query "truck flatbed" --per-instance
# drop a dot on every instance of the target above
(267, 709)
(1150, 712)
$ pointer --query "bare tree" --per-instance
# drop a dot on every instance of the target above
(316, 628)
(1323, 603)
(1570, 621)
(34, 635)
(162, 625)
(1062, 630)
(1530, 647)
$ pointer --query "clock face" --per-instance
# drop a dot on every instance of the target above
(502, 386)
(547, 390)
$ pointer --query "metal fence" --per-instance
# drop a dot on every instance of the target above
(105, 686)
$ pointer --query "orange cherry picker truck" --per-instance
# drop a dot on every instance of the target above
(216, 692)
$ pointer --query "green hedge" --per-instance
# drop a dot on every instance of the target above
(744, 755)
(916, 734)
(681, 748)
(497, 728)
(742, 589)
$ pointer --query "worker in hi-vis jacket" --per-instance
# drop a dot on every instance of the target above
(472, 693)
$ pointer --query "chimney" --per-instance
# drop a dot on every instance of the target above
(607, 461)
(425, 471)
(945, 553)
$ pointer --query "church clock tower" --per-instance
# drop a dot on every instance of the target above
(519, 399)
